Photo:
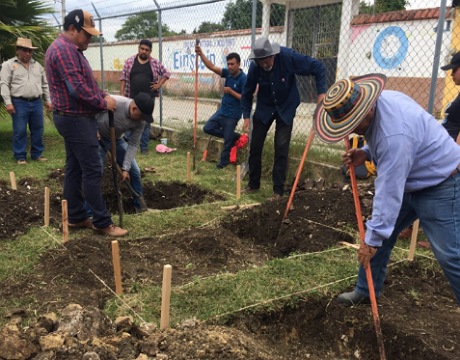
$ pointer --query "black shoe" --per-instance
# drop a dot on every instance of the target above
(220, 166)
(352, 298)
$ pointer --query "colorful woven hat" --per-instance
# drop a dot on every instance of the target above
(345, 105)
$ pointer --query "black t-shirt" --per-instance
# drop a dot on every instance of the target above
(452, 118)
(140, 78)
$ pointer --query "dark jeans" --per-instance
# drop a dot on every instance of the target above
(134, 172)
(83, 169)
(282, 141)
(28, 113)
(223, 127)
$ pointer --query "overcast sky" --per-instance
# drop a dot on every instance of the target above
(180, 19)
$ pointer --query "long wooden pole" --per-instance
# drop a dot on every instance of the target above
(370, 282)
(189, 175)
(299, 171)
(195, 117)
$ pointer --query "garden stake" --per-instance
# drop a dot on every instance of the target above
(189, 175)
(113, 146)
(299, 171)
(165, 297)
(13, 180)
(47, 206)
(238, 182)
(196, 106)
(370, 282)
(205, 152)
(413, 240)
(116, 267)
(65, 222)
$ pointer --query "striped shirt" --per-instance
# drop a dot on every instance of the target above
(73, 88)
(158, 70)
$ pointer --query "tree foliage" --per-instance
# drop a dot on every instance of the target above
(381, 6)
(208, 27)
(23, 18)
(142, 26)
(238, 15)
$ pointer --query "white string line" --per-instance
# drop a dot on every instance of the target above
(118, 297)
(97, 277)
(292, 294)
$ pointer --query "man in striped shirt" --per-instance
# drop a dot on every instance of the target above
(77, 99)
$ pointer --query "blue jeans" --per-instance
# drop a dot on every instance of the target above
(28, 113)
(438, 209)
(134, 172)
(223, 127)
(282, 141)
(83, 170)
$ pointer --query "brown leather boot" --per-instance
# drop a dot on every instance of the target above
(112, 230)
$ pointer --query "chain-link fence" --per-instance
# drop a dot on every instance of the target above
(406, 40)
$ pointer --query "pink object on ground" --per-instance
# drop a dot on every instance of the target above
(163, 149)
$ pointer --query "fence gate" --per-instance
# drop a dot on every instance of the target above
(315, 31)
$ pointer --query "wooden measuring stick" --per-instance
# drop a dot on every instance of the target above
(116, 267)
(238, 182)
(13, 181)
(65, 222)
(165, 297)
(189, 173)
(413, 240)
(47, 206)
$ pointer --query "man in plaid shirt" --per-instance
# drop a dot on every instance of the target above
(143, 73)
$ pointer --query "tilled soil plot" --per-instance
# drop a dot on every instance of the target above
(421, 325)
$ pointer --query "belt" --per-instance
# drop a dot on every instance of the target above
(63, 113)
(26, 99)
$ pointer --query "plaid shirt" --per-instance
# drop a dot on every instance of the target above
(158, 71)
(73, 88)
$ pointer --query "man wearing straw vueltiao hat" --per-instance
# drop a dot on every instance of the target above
(417, 177)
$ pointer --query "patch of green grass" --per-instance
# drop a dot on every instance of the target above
(277, 283)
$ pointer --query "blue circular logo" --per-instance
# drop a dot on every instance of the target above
(390, 47)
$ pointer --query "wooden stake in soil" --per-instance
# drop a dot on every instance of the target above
(47, 206)
(189, 172)
(13, 181)
(413, 240)
(65, 222)
(116, 267)
(238, 182)
(165, 297)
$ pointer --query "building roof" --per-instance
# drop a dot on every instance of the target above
(401, 15)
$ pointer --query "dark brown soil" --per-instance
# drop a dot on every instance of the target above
(423, 324)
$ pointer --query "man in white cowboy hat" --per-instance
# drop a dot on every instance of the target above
(418, 175)
(22, 86)
(274, 71)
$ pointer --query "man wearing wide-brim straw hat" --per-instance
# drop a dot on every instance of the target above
(23, 84)
(417, 176)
